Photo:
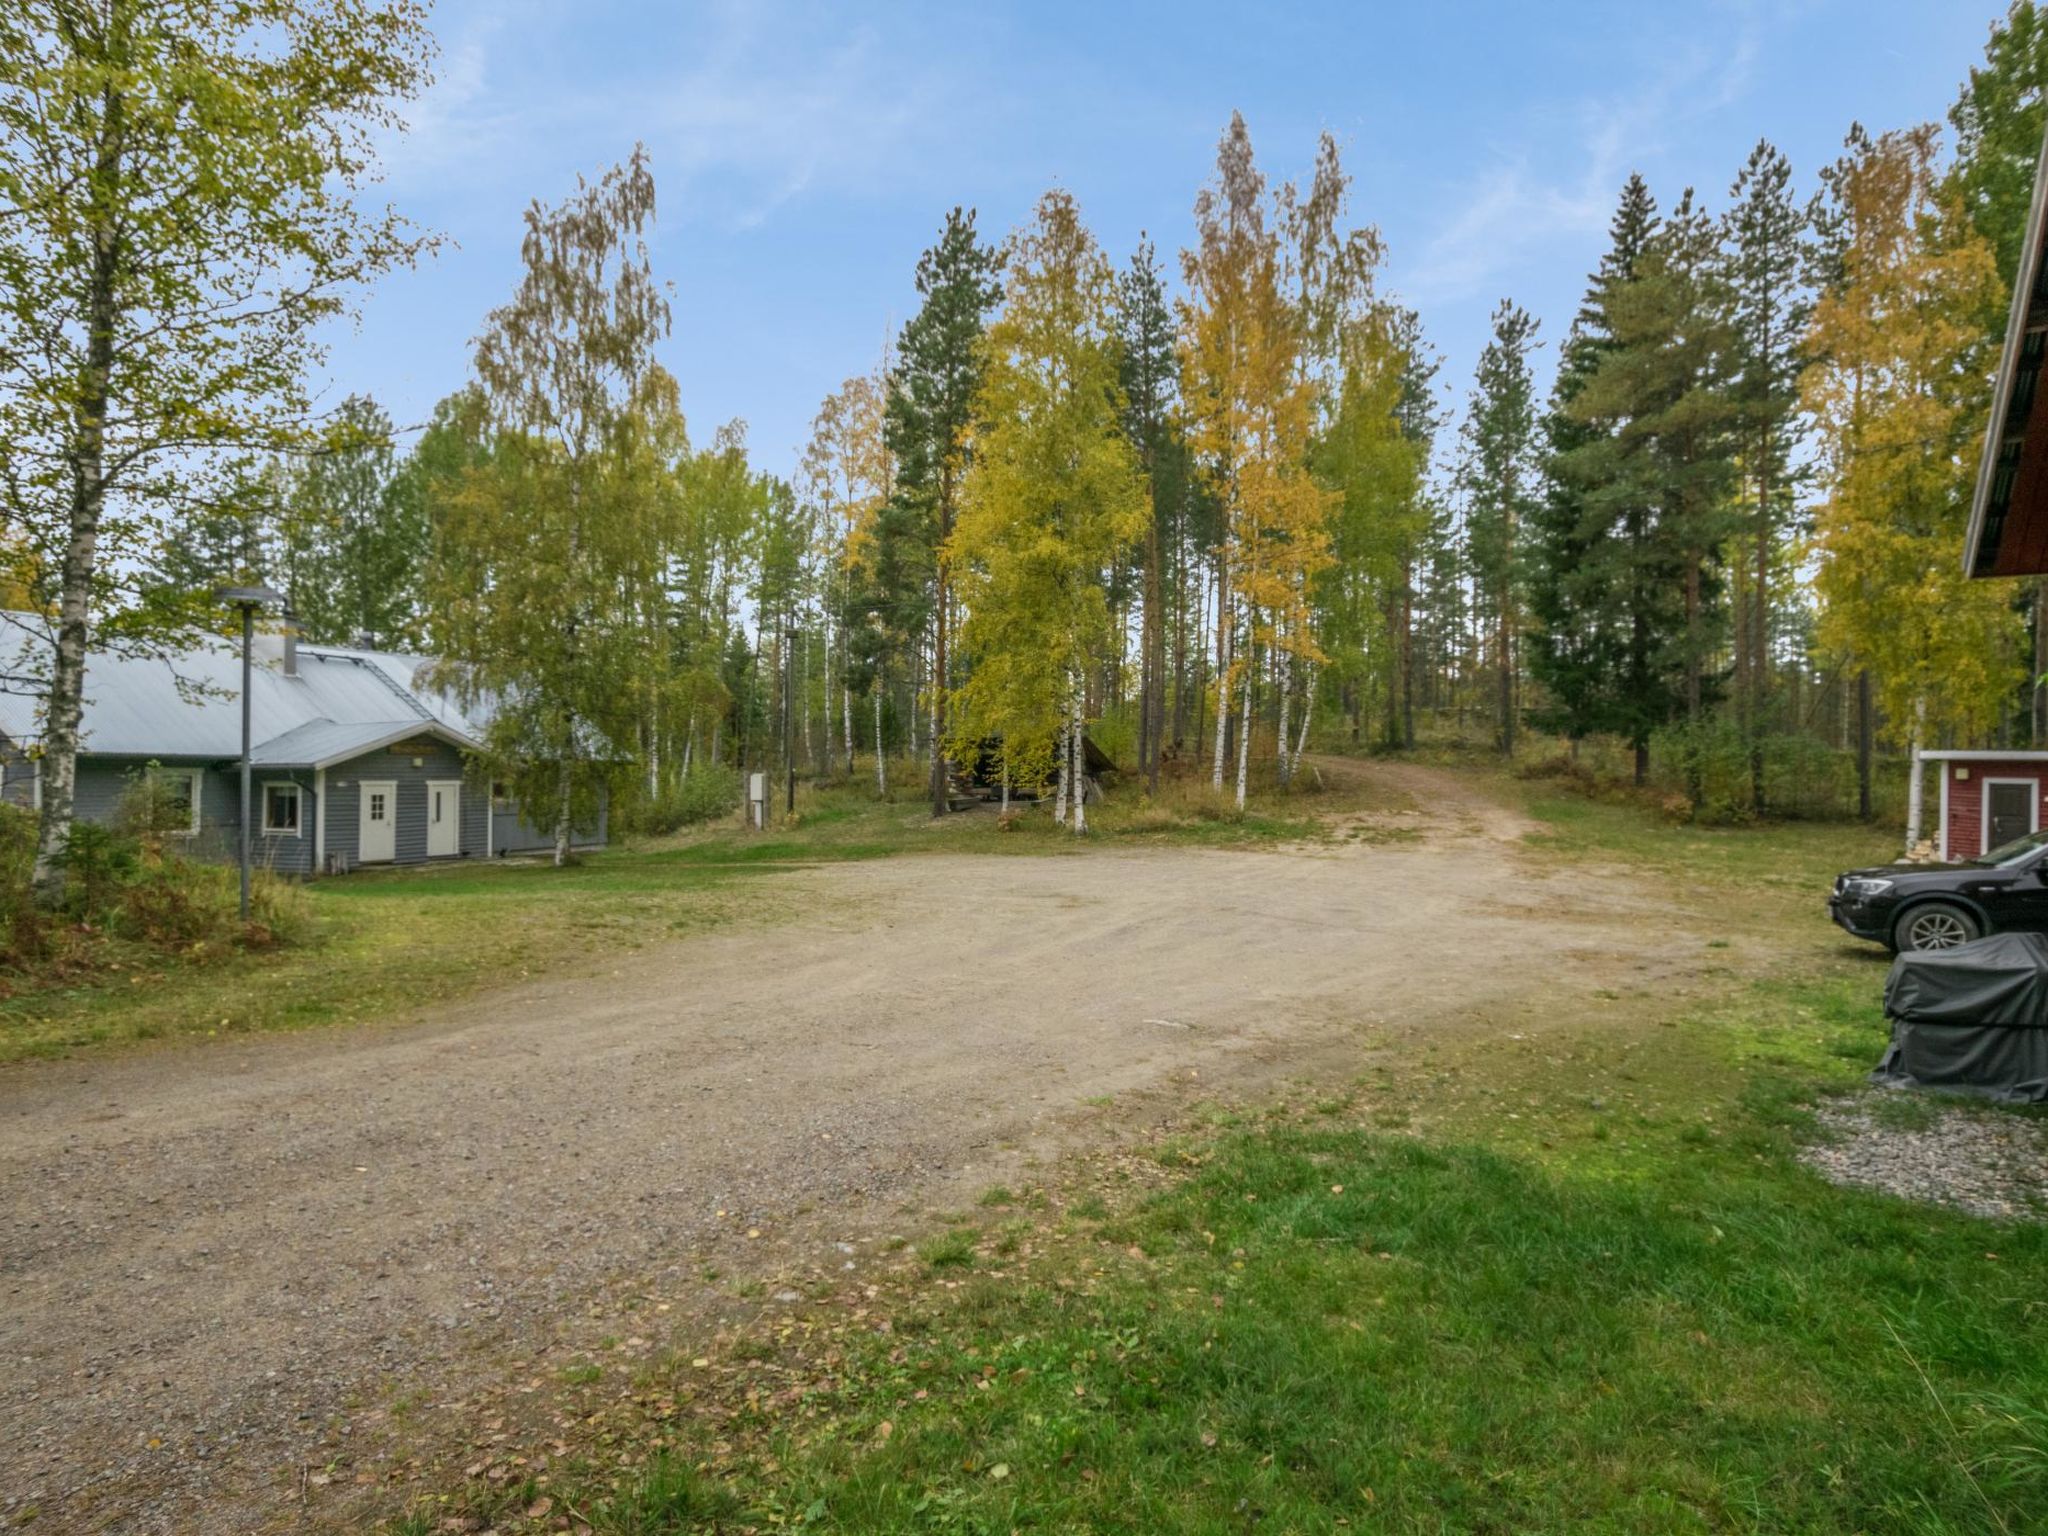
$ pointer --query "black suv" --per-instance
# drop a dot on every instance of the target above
(1938, 906)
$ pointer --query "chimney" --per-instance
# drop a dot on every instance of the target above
(291, 644)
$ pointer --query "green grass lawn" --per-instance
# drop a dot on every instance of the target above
(384, 943)
(1776, 856)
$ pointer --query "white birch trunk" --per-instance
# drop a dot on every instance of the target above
(1282, 764)
(1222, 699)
(1065, 761)
(881, 757)
(1006, 789)
(1308, 693)
(804, 694)
(846, 705)
(1244, 739)
(1916, 788)
(1080, 769)
(562, 818)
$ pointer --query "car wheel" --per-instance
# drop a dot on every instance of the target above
(1935, 925)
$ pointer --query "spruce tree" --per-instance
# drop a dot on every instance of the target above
(1655, 474)
(1581, 649)
(355, 532)
(1999, 121)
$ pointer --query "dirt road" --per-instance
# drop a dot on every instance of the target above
(215, 1258)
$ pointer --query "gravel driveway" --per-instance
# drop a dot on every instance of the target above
(214, 1256)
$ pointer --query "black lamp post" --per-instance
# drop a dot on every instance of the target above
(248, 599)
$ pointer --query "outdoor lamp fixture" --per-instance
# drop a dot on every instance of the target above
(248, 599)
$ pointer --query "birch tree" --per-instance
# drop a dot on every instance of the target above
(1898, 396)
(847, 473)
(1251, 410)
(546, 558)
(1055, 493)
(179, 185)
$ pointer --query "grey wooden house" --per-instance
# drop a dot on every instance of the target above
(354, 759)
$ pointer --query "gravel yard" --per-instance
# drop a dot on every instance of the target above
(1978, 1158)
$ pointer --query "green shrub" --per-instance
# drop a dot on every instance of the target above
(129, 886)
(702, 794)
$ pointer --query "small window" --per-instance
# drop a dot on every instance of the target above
(281, 809)
(174, 801)
(376, 805)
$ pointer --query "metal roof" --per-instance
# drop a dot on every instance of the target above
(323, 743)
(187, 704)
(1984, 755)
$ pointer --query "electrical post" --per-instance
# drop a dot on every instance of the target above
(788, 719)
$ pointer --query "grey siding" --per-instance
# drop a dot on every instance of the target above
(280, 851)
(511, 832)
(345, 801)
(17, 776)
(104, 783)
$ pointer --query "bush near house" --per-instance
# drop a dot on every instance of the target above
(132, 897)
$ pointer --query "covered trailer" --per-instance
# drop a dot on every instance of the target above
(1972, 1019)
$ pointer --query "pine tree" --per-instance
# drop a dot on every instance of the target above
(1147, 375)
(1421, 418)
(1675, 354)
(1499, 475)
(930, 414)
(1766, 262)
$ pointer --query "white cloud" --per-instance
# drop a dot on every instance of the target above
(771, 102)
(1515, 206)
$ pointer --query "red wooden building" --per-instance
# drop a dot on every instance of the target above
(1988, 799)
(2008, 532)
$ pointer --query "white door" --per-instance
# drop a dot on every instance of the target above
(377, 839)
(444, 818)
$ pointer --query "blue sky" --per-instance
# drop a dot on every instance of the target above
(806, 153)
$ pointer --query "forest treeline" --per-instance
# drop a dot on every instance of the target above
(1217, 499)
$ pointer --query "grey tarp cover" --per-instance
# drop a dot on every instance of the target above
(1973, 1018)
